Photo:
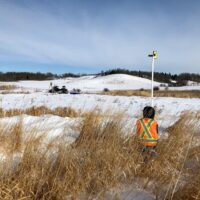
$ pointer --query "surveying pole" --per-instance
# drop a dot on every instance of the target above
(154, 56)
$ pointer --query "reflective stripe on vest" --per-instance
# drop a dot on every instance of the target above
(146, 132)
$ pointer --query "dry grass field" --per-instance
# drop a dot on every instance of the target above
(42, 110)
(7, 87)
(13, 89)
(159, 93)
(100, 159)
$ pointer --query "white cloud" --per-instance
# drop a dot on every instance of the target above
(114, 39)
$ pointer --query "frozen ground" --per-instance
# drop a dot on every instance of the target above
(95, 84)
(184, 88)
(90, 83)
(168, 109)
(53, 126)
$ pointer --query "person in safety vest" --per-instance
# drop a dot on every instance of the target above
(147, 129)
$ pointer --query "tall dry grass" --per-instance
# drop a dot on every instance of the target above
(101, 158)
(42, 110)
(8, 87)
(11, 139)
(89, 166)
(170, 175)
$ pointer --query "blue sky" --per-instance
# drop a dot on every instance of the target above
(93, 35)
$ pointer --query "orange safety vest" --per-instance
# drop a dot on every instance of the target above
(147, 131)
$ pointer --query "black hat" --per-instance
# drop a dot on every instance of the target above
(149, 112)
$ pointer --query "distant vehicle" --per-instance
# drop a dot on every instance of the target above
(56, 89)
(64, 90)
(75, 91)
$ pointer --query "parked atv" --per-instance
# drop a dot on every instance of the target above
(75, 91)
(64, 90)
(56, 89)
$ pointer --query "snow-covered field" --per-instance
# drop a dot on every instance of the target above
(94, 84)
(168, 109)
(192, 87)
(52, 125)
(35, 94)
(91, 83)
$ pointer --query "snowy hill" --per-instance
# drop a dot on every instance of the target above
(93, 83)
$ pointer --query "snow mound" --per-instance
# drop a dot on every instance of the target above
(49, 125)
(93, 83)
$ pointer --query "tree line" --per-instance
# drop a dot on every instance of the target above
(19, 76)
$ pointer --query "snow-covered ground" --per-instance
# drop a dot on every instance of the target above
(94, 84)
(197, 87)
(168, 109)
(53, 126)
(91, 83)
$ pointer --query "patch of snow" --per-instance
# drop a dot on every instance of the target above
(192, 83)
(182, 88)
(49, 125)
